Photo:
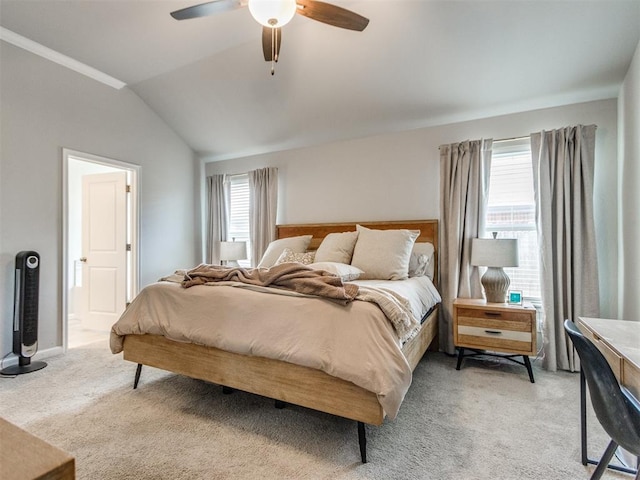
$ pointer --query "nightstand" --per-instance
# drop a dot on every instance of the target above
(507, 329)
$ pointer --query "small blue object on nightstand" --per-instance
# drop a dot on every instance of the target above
(515, 297)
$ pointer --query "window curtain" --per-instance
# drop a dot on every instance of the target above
(216, 218)
(464, 188)
(263, 192)
(563, 167)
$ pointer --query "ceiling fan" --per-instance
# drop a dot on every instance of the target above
(273, 14)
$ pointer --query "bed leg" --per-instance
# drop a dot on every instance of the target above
(362, 440)
(279, 404)
(227, 390)
(137, 379)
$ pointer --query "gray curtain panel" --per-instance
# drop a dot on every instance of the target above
(563, 166)
(216, 217)
(263, 192)
(464, 187)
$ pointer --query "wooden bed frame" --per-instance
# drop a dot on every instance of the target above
(282, 381)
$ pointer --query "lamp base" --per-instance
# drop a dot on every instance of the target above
(496, 285)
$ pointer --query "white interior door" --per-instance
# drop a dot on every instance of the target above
(104, 249)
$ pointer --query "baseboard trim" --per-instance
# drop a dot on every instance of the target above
(40, 355)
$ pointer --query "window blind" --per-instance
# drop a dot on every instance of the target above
(238, 203)
(511, 211)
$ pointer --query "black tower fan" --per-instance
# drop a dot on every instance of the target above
(25, 314)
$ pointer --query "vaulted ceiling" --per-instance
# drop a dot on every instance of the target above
(418, 63)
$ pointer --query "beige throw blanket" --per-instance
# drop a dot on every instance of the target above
(291, 276)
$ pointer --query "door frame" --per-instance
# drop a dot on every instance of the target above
(133, 265)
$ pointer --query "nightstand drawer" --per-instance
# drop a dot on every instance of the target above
(486, 314)
(494, 333)
(512, 321)
(489, 338)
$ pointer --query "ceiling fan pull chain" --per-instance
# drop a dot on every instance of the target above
(274, 49)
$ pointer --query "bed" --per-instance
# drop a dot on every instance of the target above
(283, 381)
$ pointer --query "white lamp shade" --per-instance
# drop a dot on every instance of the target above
(233, 250)
(272, 13)
(488, 252)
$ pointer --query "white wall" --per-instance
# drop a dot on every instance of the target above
(46, 107)
(629, 168)
(397, 176)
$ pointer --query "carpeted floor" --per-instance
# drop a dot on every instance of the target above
(486, 421)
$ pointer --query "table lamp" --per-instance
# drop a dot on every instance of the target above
(231, 252)
(495, 254)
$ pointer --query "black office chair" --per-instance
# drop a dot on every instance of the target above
(616, 409)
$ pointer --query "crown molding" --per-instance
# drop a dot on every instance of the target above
(57, 57)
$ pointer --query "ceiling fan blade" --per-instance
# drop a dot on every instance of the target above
(271, 39)
(208, 8)
(331, 14)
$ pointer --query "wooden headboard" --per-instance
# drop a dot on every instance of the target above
(428, 232)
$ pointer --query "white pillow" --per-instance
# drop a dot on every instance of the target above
(289, 256)
(344, 271)
(383, 254)
(337, 247)
(421, 260)
(275, 249)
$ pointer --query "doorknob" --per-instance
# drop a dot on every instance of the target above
(83, 259)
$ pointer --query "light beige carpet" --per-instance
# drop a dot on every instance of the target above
(483, 422)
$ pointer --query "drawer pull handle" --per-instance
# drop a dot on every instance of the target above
(493, 314)
(493, 332)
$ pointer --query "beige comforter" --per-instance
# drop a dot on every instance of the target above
(355, 341)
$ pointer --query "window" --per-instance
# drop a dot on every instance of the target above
(511, 211)
(238, 215)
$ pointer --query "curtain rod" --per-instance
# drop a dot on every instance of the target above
(511, 138)
(233, 175)
(524, 137)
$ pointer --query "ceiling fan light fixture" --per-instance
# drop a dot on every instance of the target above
(272, 13)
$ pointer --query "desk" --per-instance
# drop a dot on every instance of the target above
(619, 342)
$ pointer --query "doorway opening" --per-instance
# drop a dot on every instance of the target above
(100, 247)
